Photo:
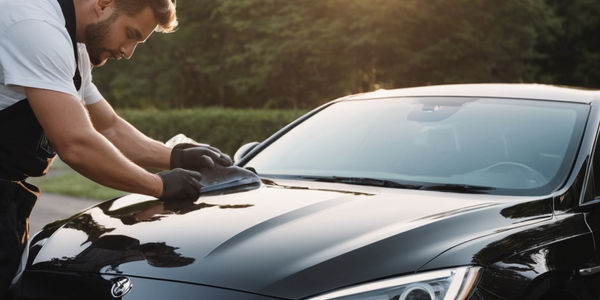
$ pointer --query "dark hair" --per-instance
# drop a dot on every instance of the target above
(164, 11)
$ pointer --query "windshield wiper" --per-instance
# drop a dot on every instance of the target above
(364, 181)
(444, 187)
(454, 187)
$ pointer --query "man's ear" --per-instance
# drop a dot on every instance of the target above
(101, 5)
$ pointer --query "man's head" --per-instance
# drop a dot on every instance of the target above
(122, 24)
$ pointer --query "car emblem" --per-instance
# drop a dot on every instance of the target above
(120, 287)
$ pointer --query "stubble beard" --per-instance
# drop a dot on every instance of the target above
(95, 36)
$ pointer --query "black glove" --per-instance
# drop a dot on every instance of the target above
(180, 185)
(197, 157)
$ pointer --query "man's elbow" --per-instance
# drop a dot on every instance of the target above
(72, 150)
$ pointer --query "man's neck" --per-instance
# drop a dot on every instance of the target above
(83, 10)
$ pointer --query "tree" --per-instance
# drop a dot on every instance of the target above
(573, 56)
(300, 53)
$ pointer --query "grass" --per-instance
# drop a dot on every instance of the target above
(63, 180)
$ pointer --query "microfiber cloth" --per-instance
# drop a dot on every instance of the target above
(228, 179)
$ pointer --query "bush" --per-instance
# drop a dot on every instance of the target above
(224, 128)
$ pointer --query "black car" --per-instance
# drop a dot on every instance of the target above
(445, 192)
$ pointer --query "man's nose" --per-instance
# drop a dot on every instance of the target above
(127, 50)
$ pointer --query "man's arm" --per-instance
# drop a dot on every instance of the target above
(147, 152)
(138, 147)
(71, 133)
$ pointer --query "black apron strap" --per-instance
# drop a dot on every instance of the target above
(68, 11)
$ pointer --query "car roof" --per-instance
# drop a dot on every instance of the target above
(499, 90)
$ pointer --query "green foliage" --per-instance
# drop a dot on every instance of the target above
(301, 53)
(573, 56)
(225, 128)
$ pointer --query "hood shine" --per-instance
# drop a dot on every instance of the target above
(265, 239)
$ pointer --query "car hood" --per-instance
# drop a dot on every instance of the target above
(286, 239)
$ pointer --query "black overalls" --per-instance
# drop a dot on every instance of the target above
(24, 152)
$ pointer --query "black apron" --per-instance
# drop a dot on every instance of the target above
(24, 151)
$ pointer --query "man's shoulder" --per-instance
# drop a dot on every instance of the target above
(14, 12)
(37, 50)
(27, 22)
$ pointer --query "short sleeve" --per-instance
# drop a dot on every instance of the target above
(89, 92)
(91, 95)
(39, 55)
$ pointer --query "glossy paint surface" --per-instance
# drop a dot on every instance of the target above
(325, 236)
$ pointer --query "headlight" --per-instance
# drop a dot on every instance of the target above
(449, 284)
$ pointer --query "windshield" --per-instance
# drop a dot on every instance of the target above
(510, 146)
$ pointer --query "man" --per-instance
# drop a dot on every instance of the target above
(47, 48)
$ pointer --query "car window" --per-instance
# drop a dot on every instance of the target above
(514, 146)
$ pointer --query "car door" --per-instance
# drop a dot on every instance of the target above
(590, 206)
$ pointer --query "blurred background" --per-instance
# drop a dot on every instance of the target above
(301, 53)
(237, 70)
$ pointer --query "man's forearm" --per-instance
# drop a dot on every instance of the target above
(95, 157)
(138, 147)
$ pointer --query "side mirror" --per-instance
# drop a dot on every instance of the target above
(243, 150)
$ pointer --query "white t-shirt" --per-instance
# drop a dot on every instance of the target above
(36, 51)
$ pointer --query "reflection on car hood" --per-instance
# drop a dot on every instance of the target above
(273, 238)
